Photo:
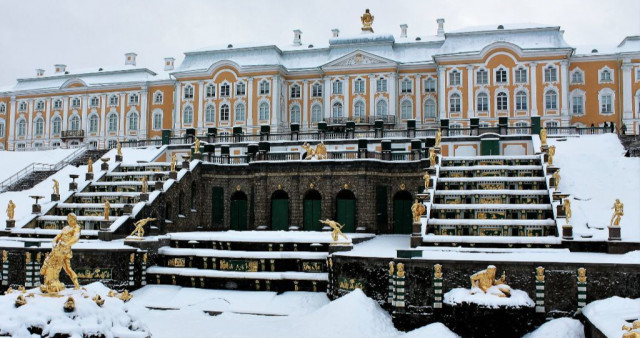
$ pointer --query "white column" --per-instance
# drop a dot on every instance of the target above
(470, 95)
(533, 78)
(47, 119)
(441, 93)
(347, 91)
(275, 103)
(326, 91)
(176, 109)
(12, 123)
(85, 103)
(564, 82)
(372, 92)
(143, 127)
(304, 119)
(103, 119)
(250, 103)
(418, 104)
(627, 96)
(30, 135)
(284, 118)
(393, 95)
(199, 123)
(121, 127)
(65, 113)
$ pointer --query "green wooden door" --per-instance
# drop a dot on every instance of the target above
(238, 214)
(280, 214)
(381, 207)
(312, 214)
(490, 147)
(347, 214)
(402, 216)
(217, 206)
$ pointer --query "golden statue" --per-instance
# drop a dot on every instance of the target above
(438, 138)
(144, 184)
(70, 304)
(98, 299)
(540, 274)
(556, 179)
(309, 150)
(139, 230)
(90, 166)
(367, 21)
(632, 331)
(566, 206)
(485, 279)
(391, 269)
(618, 212)
(118, 148)
(582, 275)
(174, 161)
(11, 210)
(417, 209)
(400, 272)
(196, 149)
(107, 209)
(427, 181)
(437, 271)
(432, 157)
(543, 136)
(125, 296)
(60, 258)
(336, 229)
(552, 153)
(56, 187)
(20, 301)
(321, 151)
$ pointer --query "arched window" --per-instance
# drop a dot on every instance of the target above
(576, 77)
(502, 102)
(337, 109)
(264, 87)
(381, 108)
(521, 100)
(240, 112)
(551, 99)
(112, 122)
(75, 122)
(605, 76)
(295, 91)
(158, 98)
(224, 112)
(39, 126)
(188, 92)
(210, 113)
(210, 91)
(157, 120)
(95, 101)
(430, 108)
(133, 121)
(22, 127)
(406, 109)
(113, 100)
(483, 102)
(337, 87)
(295, 114)
(454, 103)
(264, 111)
(93, 123)
(316, 113)
(187, 115)
(358, 111)
(56, 125)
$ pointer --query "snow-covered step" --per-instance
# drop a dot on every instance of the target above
(491, 207)
(309, 237)
(493, 222)
(264, 275)
(88, 205)
(491, 167)
(492, 157)
(491, 192)
(491, 179)
(167, 251)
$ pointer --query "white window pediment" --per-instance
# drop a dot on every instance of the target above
(359, 58)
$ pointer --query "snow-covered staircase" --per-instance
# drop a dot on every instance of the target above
(488, 200)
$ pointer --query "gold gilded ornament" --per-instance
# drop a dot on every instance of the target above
(56, 187)
(367, 21)
(98, 300)
(20, 301)
(540, 274)
(438, 138)
(417, 209)
(70, 304)
(107, 209)
(618, 212)
(437, 271)
(337, 229)
(11, 210)
(566, 206)
(139, 230)
(90, 166)
(582, 275)
(485, 279)
(543, 136)
(60, 258)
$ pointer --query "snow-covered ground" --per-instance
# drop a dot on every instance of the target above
(595, 172)
(13, 161)
(558, 328)
(518, 298)
(609, 315)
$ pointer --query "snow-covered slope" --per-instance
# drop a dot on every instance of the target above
(13, 161)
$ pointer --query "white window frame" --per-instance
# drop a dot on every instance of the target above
(187, 112)
(316, 90)
(113, 100)
(602, 94)
(38, 126)
(132, 121)
(21, 126)
(316, 113)
(22, 106)
(551, 102)
(426, 110)
(454, 129)
(40, 105)
(337, 87)
(112, 122)
(241, 88)
(158, 97)
(187, 92)
(501, 70)
(240, 112)
(499, 106)
(483, 95)
(57, 104)
(2, 127)
(75, 122)
(76, 102)
(520, 72)
(210, 113)
(359, 86)
(134, 99)
(337, 109)
(156, 117)
(382, 84)
(406, 86)
(484, 76)
(210, 91)
(225, 89)
(552, 77)
(520, 104)
(406, 112)
(603, 71)
(455, 107)
(264, 111)
(264, 87)
(295, 92)
(93, 117)
(295, 114)
(430, 85)
(379, 107)
(225, 112)
(359, 110)
(521, 124)
(454, 78)
(56, 125)
(577, 72)
(580, 96)
(3, 108)
(95, 101)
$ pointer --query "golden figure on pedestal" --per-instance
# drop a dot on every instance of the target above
(90, 166)
(56, 187)
(632, 331)
(367, 21)
(309, 151)
(118, 148)
(321, 151)
(437, 271)
(60, 258)
(196, 147)
(144, 184)
(107, 210)
(11, 210)
(427, 181)
(139, 230)
(438, 138)
(566, 206)
(432, 158)
(417, 209)
(174, 161)
(552, 153)
(485, 279)
(337, 229)
(540, 274)
(556, 179)
(618, 212)
(543, 136)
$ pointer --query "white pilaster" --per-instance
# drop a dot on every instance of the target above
(326, 92)
(393, 95)
(347, 103)
(627, 96)
(177, 117)
(441, 93)
(103, 119)
(12, 123)
(470, 95)
(533, 78)
(47, 119)
(372, 91)
(250, 103)
(123, 113)
(83, 123)
(65, 113)
(418, 104)
(199, 122)
(30, 136)
(143, 127)
(564, 82)
(275, 104)
(304, 119)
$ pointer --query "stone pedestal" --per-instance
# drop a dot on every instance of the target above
(567, 231)
(127, 209)
(173, 175)
(55, 197)
(185, 165)
(144, 197)
(551, 170)
(340, 247)
(614, 233)
(158, 185)
(104, 225)
(11, 223)
(88, 176)
(118, 158)
(36, 208)
(73, 186)
(106, 236)
(197, 156)
(104, 166)
(560, 211)
(416, 236)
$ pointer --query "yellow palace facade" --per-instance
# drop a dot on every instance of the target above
(514, 71)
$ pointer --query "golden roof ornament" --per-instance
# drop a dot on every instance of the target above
(367, 21)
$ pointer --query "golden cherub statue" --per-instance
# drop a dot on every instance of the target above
(336, 229)
(367, 21)
(196, 149)
(417, 209)
(60, 258)
(118, 148)
(543, 136)
(56, 187)
(618, 212)
(107, 210)
(552, 153)
(174, 161)
(11, 210)
(556, 179)
(438, 138)
(485, 279)
(321, 151)
(427, 181)
(139, 230)
(90, 166)
(145, 186)
(566, 206)
(309, 151)
(432, 158)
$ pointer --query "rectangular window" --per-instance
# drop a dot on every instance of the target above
(295, 91)
(429, 86)
(481, 77)
(550, 75)
(577, 107)
(381, 85)
(521, 75)
(359, 86)
(606, 102)
(211, 91)
(337, 87)
(241, 89)
(501, 76)
(407, 86)
(454, 78)
(483, 103)
(317, 90)
(225, 90)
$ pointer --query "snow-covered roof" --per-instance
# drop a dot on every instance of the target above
(630, 44)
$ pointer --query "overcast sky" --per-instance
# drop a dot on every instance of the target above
(93, 33)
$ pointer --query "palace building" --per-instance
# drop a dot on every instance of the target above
(527, 73)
